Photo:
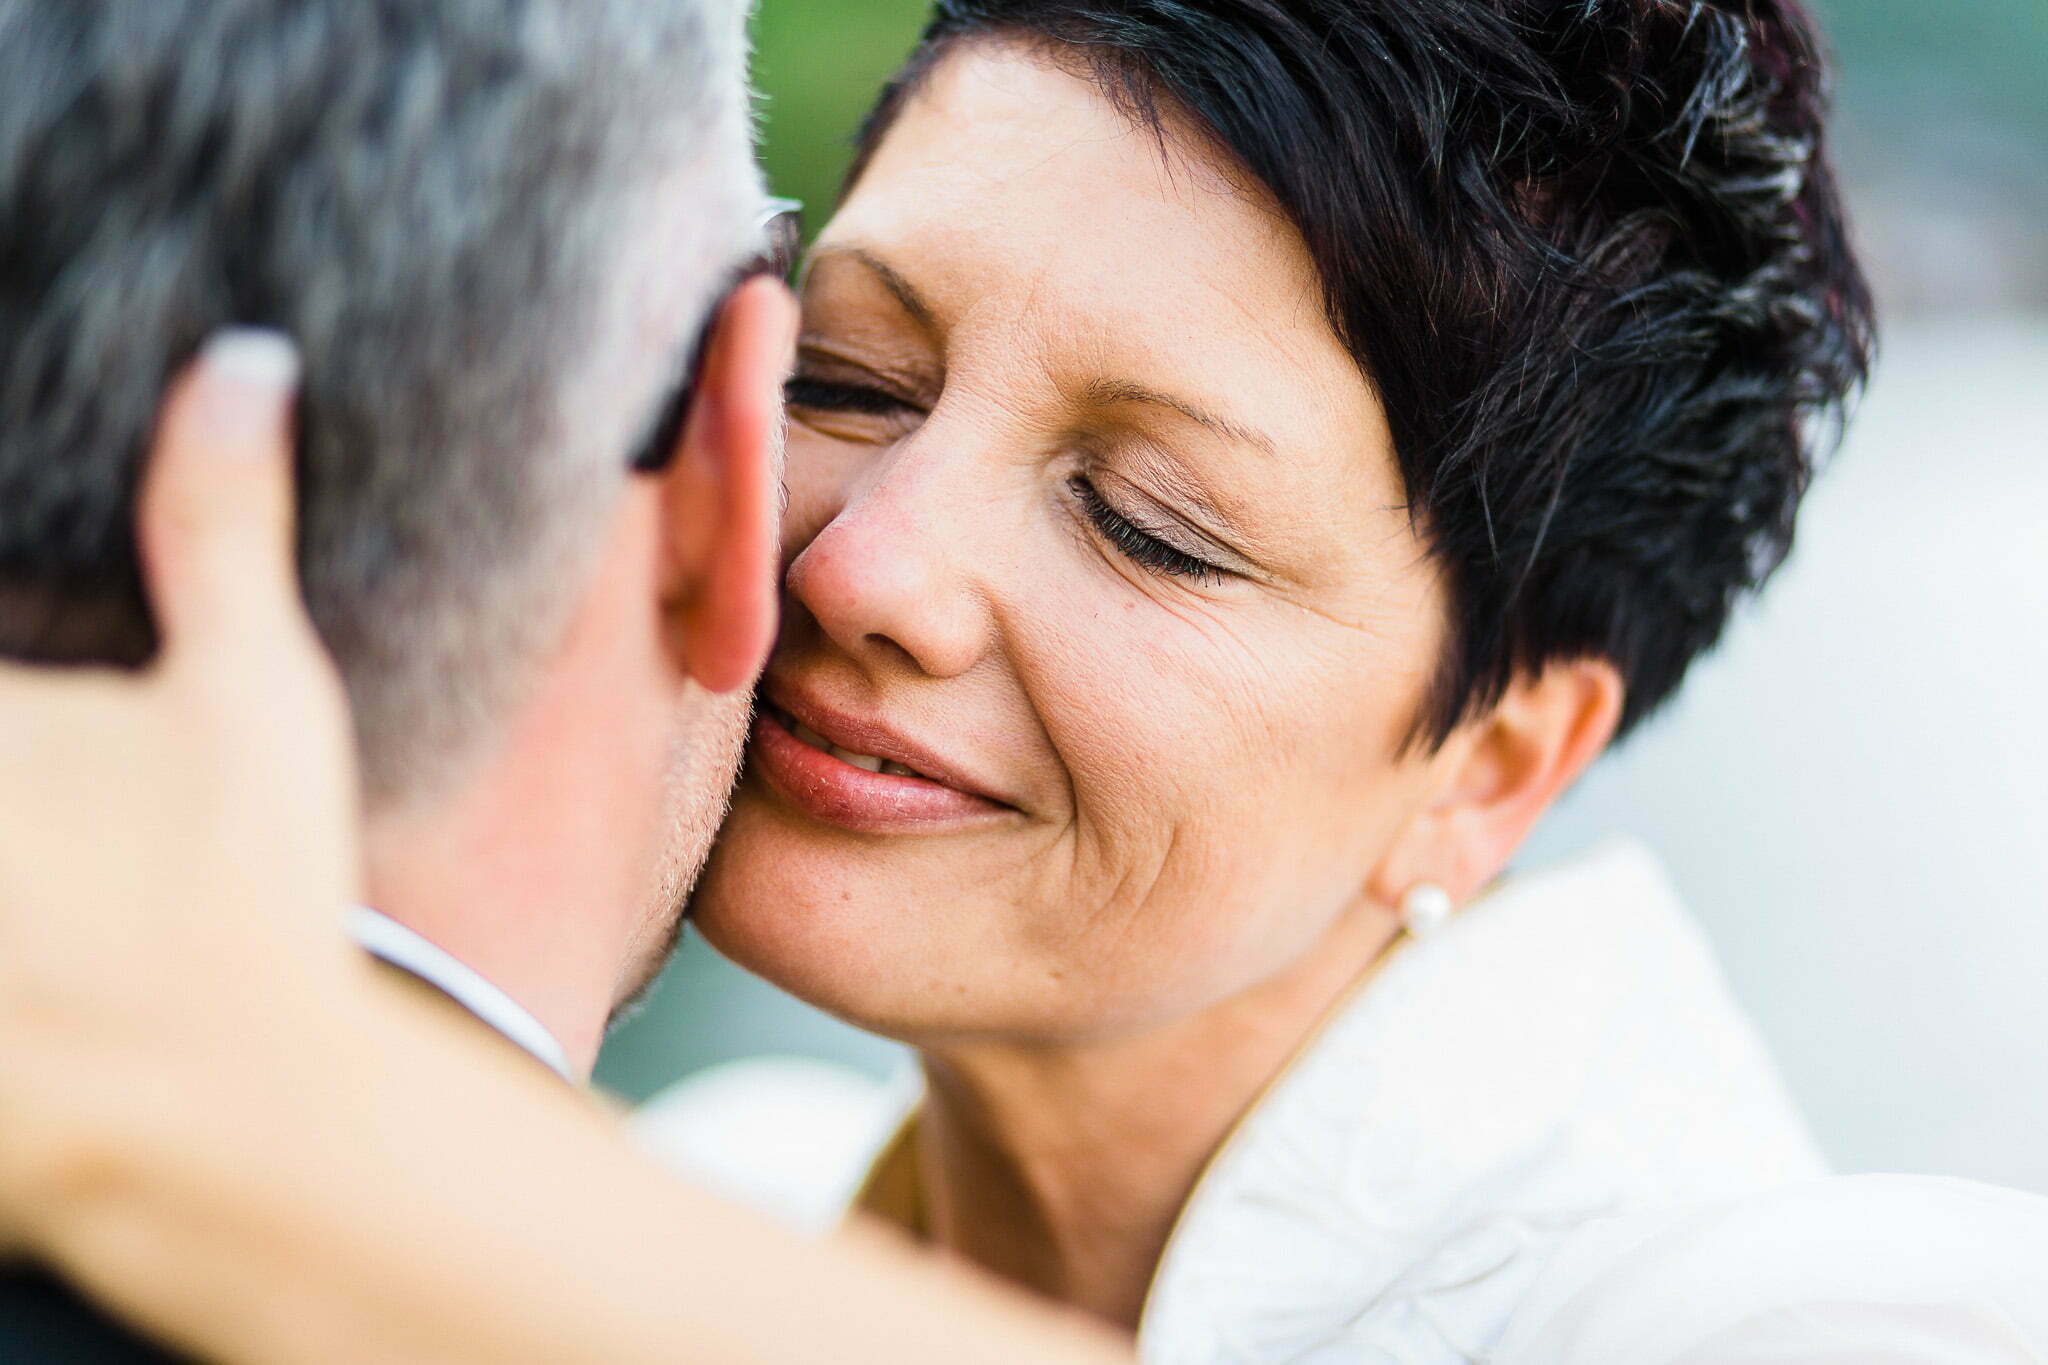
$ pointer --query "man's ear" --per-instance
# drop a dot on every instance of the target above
(722, 495)
(1494, 778)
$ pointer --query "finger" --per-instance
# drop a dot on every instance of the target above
(216, 514)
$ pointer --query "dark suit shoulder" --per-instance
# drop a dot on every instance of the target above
(43, 1320)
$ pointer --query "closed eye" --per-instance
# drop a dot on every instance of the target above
(1137, 543)
(826, 395)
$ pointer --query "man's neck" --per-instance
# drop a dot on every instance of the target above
(543, 867)
(395, 946)
(492, 910)
(527, 877)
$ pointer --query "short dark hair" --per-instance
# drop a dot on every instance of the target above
(435, 201)
(1589, 253)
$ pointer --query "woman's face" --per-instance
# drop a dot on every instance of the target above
(1095, 526)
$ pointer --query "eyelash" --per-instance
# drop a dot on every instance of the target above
(1129, 539)
(1134, 542)
(824, 395)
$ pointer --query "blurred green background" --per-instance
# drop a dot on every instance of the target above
(1942, 141)
(818, 64)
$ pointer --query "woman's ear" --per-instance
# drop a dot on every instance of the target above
(722, 495)
(1495, 777)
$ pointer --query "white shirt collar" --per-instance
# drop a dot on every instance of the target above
(385, 938)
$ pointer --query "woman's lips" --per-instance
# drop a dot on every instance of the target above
(829, 788)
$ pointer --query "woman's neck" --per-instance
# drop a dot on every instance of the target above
(1065, 1168)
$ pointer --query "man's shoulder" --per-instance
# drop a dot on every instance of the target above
(42, 1319)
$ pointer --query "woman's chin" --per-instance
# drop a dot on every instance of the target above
(842, 924)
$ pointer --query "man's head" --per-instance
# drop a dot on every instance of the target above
(493, 227)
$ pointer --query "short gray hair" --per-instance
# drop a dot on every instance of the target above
(457, 208)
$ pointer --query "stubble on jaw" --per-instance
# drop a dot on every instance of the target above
(702, 773)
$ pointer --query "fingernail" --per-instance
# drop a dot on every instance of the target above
(255, 356)
(253, 370)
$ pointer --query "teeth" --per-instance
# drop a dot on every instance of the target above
(865, 762)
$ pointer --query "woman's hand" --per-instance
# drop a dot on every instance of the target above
(165, 831)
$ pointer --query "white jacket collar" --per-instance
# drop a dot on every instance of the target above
(1564, 1049)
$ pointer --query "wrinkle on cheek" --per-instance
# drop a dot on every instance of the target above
(1389, 625)
(1198, 718)
(1245, 685)
(1286, 707)
(1172, 685)
(1163, 909)
(1119, 916)
(1042, 654)
(1400, 613)
(1169, 869)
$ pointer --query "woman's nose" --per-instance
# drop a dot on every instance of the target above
(888, 581)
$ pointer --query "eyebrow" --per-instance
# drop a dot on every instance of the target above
(907, 294)
(1103, 392)
(1111, 391)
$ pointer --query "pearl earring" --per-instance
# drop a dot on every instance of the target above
(1425, 908)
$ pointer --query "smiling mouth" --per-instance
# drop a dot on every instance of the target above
(865, 793)
(866, 762)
